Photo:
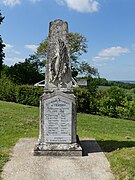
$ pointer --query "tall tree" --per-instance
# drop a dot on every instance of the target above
(27, 72)
(86, 70)
(77, 46)
(2, 55)
(34, 59)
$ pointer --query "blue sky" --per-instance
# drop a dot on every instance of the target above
(108, 26)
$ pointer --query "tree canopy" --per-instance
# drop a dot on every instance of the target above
(30, 71)
(2, 55)
(77, 46)
(27, 72)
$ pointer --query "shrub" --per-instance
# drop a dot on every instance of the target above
(85, 100)
(116, 103)
(7, 90)
(28, 95)
(24, 94)
(113, 102)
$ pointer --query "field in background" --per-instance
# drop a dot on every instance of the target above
(115, 136)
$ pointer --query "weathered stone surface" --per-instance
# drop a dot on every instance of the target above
(73, 149)
(57, 104)
(58, 118)
(58, 67)
(58, 126)
(58, 112)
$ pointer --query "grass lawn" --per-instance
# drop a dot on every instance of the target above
(116, 137)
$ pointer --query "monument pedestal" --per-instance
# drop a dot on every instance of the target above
(73, 149)
(58, 126)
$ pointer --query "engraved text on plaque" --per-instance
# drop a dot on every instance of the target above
(58, 120)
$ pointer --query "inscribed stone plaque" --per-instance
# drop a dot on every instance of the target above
(58, 116)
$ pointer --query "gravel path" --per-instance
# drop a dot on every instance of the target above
(25, 166)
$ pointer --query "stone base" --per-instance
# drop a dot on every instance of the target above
(73, 149)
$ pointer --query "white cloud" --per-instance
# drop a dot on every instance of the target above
(12, 3)
(109, 54)
(100, 59)
(15, 59)
(81, 5)
(34, 1)
(11, 55)
(17, 52)
(60, 2)
(31, 47)
(8, 47)
(113, 51)
(12, 60)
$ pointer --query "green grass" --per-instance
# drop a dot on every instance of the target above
(104, 88)
(116, 137)
(16, 121)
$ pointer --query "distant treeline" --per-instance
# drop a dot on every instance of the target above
(104, 82)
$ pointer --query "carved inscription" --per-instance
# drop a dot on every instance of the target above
(58, 120)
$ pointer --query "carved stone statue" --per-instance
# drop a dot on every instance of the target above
(59, 65)
(58, 69)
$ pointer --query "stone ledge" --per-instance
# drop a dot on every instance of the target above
(73, 149)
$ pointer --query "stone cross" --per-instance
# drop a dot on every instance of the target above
(57, 134)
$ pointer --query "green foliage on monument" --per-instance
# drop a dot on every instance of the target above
(2, 55)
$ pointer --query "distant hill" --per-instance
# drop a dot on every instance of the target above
(124, 81)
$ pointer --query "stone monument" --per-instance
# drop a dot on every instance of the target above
(57, 105)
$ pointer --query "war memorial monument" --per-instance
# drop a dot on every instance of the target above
(57, 133)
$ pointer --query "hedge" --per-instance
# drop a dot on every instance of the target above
(115, 102)
(28, 95)
(23, 94)
(7, 90)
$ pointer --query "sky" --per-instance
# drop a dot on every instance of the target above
(108, 26)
